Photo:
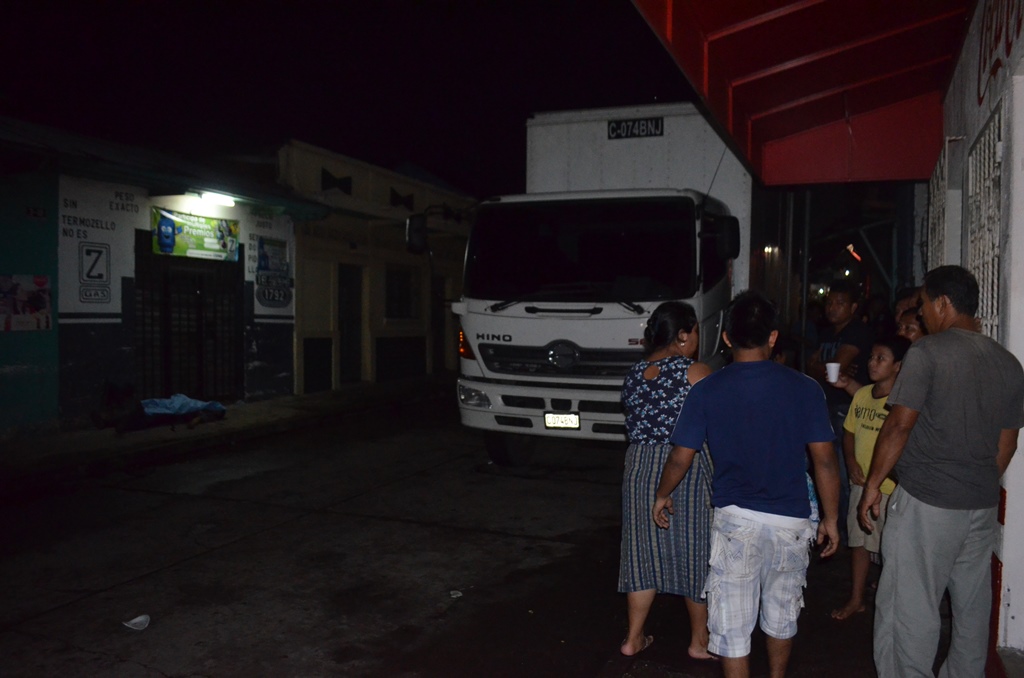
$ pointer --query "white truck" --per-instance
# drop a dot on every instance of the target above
(625, 208)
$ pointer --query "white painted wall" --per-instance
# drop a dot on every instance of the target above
(96, 224)
(1011, 632)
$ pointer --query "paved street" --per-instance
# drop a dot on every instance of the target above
(334, 552)
(391, 548)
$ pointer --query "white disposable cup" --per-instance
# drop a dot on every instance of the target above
(832, 370)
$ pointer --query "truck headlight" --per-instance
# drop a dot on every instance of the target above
(473, 397)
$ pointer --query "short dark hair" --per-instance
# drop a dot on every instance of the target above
(895, 343)
(750, 320)
(905, 293)
(955, 282)
(845, 287)
(666, 322)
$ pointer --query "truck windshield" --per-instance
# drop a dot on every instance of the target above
(586, 250)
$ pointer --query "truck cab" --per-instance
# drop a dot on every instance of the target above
(557, 291)
(624, 208)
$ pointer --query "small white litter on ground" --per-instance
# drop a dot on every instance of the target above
(139, 623)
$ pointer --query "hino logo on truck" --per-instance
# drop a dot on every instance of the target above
(563, 354)
(636, 127)
(480, 336)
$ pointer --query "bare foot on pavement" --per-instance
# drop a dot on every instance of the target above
(630, 648)
(851, 608)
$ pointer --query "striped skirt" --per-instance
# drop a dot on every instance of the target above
(673, 560)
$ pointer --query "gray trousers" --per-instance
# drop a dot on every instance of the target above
(926, 550)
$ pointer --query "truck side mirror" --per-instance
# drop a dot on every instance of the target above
(720, 237)
(728, 240)
(416, 234)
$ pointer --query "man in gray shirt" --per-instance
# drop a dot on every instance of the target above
(956, 408)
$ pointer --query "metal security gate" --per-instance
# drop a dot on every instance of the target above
(984, 218)
(935, 241)
(188, 325)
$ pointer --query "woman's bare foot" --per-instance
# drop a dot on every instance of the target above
(699, 635)
(851, 608)
(699, 652)
(632, 647)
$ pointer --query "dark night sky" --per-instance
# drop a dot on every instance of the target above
(447, 86)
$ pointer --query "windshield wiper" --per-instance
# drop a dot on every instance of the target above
(502, 305)
(632, 306)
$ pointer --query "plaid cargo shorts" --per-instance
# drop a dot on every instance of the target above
(754, 567)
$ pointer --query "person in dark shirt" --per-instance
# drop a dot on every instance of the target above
(760, 420)
(846, 341)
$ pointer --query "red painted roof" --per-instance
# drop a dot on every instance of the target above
(815, 91)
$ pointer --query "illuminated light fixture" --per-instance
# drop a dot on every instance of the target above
(821, 291)
(846, 272)
(465, 350)
(849, 248)
(217, 199)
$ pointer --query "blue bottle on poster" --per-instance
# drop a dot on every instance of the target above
(165, 235)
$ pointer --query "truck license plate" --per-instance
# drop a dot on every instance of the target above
(561, 420)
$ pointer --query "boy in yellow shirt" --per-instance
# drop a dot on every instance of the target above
(860, 430)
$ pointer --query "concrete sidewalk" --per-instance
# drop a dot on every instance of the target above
(35, 461)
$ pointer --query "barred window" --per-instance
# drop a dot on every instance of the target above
(984, 219)
(936, 238)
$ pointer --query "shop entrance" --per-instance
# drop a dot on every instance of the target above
(188, 325)
(350, 323)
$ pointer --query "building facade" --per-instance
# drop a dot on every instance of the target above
(129, 275)
(368, 310)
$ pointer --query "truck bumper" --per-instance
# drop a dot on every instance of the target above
(516, 408)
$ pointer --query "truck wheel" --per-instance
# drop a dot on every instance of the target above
(510, 449)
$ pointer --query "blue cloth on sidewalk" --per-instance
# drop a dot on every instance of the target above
(179, 404)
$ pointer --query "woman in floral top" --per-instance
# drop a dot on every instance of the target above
(674, 560)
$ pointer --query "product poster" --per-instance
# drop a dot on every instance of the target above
(273, 282)
(269, 255)
(188, 235)
(25, 303)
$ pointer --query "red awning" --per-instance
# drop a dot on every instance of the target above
(815, 91)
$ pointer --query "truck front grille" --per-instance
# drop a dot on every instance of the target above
(538, 360)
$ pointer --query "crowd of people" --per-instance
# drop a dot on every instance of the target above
(732, 475)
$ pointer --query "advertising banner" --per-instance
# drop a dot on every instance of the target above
(269, 252)
(273, 279)
(188, 235)
(25, 303)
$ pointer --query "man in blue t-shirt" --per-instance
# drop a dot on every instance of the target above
(759, 419)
